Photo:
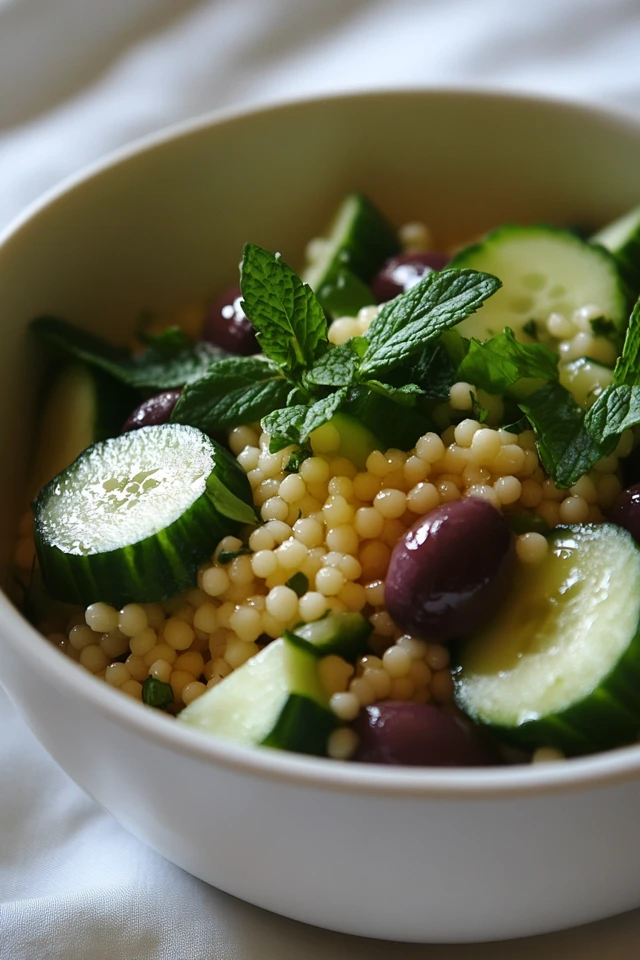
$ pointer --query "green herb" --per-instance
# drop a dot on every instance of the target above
(531, 329)
(405, 396)
(157, 694)
(295, 424)
(299, 583)
(405, 325)
(393, 427)
(567, 450)
(228, 556)
(169, 360)
(519, 426)
(603, 328)
(618, 407)
(529, 522)
(290, 323)
(235, 391)
(338, 367)
(497, 364)
(479, 412)
(296, 459)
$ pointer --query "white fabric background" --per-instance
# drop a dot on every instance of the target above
(80, 77)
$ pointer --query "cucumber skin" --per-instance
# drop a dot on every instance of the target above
(150, 570)
(303, 726)
(627, 252)
(609, 718)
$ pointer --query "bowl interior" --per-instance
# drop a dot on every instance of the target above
(163, 225)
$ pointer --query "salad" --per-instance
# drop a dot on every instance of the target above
(384, 511)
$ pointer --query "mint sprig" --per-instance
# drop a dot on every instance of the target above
(497, 364)
(618, 407)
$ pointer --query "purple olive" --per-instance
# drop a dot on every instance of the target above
(419, 734)
(626, 511)
(450, 570)
(154, 411)
(226, 325)
(403, 272)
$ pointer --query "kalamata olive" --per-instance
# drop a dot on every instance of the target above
(626, 511)
(419, 734)
(450, 570)
(153, 411)
(227, 326)
(403, 272)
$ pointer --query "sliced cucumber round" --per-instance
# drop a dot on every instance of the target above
(622, 238)
(343, 634)
(345, 436)
(83, 405)
(559, 665)
(358, 240)
(133, 517)
(275, 699)
(543, 270)
(585, 379)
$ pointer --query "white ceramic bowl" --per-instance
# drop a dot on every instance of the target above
(407, 854)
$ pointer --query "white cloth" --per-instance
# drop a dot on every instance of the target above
(78, 78)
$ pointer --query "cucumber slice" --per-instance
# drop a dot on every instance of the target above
(622, 239)
(359, 239)
(344, 436)
(344, 634)
(585, 379)
(83, 405)
(133, 517)
(275, 699)
(345, 294)
(543, 270)
(560, 663)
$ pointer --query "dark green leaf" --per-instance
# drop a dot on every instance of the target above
(479, 412)
(603, 328)
(529, 522)
(235, 391)
(394, 428)
(227, 503)
(498, 363)
(627, 369)
(615, 410)
(405, 396)
(299, 583)
(227, 556)
(155, 693)
(295, 424)
(405, 325)
(296, 459)
(566, 449)
(518, 427)
(169, 341)
(431, 369)
(153, 368)
(335, 368)
(531, 329)
(290, 323)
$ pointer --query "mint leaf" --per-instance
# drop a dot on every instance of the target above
(615, 410)
(227, 556)
(335, 368)
(405, 396)
(627, 369)
(227, 503)
(157, 694)
(299, 583)
(393, 427)
(235, 391)
(498, 363)
(531, 329)
(290, 323)
(169, 361)
(296, 459)
(295, 424)
(405, 325)
(566, 449)
(603, 328)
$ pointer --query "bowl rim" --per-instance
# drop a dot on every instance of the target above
(462, 783)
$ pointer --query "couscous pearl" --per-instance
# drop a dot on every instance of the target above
(549, 510)
(269, 464)
(383, 625)
(448, 490)
(625, 444)
(178, 634)
(461, 396)
(551, 492)
(531, 547)
(162, 651)
(465, 431)
(437, 656)
(574, 510)
(206, 618)
(261, 539)
(292, 488)
(116, 674)
(275, 508)
(422, 498)
(415, 236)
(282, 603)
(137, 667)
(346, 706)
(350, 567)
(510, 459)
(343, 538)
(363, 691)
(374, 557)
(430, 448)
(82, 636)
(312, 605)
(101, 617)
(132, 688)
(93, 658)
(248, 458)
(341, 486)
(178, 680)
(132, 619)
(238, 652)
(608, 487)
(607, 464)
(484, 492)
(365, 486)
(221, 668)
(485, 446)
(560, 326)
(391, 504)
(246, 623)
(215, 581)
(191, 662)
(337, 511)
(508, 489)
(264, 563)
(308, 531)
(114, 644)
(375, 593)
(241, 437)
(547, 755)
(448, 436)
(420, 673)
(314, 470)
(191, 691)
(291, 554)
(397, 662)
(330, 581)
(380, 682)
(416, 649)
(368, 523)
(402, 688)
(334, 674)
(279, 530)
(531, 494)
(415, 470)
(228, 545)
